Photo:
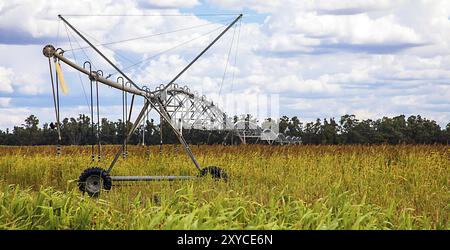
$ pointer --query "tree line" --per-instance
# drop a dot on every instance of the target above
(347, 130)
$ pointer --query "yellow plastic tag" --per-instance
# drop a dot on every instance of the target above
(62, 82)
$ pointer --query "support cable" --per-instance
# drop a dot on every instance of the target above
(98, 126)
(124, 119)
(167, 50)
(227, 62)
(161, 122)
(79, 46)
(55, 102)
(78, 72)
(151, 15)
(115, 52)
(92, 118)
(202, 52)
(58, 123)
(147, 150)
(99, 52)
(150, 35)
(235, 56)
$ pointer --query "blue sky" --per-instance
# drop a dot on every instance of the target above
(320, 58)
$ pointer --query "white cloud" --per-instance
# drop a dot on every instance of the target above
(371, 58)
(355, 29)
(342, 7)
(261, 6)
(6, 75)
(27, 69)
(310, 31)
(293, 84)
(4, 101)
(169, 3)
(349, 7)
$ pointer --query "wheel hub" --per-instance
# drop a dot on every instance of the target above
(93, 184)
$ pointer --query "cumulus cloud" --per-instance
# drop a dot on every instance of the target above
(349, 7)
(5, 101)
(313, 32)
(370, 58)
(343, 7)
(6, 75)
(168, 3)
(25, 70)
(261, 6)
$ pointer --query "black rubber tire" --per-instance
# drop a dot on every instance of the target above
(215, 173)
(94, 171)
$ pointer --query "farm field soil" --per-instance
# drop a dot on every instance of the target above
(270, 187)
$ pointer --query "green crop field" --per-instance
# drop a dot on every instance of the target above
(270, 187)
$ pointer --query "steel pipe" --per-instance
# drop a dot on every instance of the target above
(151, 178)
(50, 51)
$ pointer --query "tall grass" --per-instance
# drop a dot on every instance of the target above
(282, 187)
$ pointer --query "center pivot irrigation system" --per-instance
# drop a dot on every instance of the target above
(176, 105)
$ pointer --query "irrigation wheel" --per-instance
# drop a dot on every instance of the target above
(92, 180)
(215, 173)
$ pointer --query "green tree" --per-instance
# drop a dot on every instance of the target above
(329, 132)
(349, 131)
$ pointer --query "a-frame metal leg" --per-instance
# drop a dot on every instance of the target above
(165, 115)
(130, 133)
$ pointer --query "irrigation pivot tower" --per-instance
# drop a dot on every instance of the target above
(176, 105)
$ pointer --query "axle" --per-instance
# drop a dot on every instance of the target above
(151, 178)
